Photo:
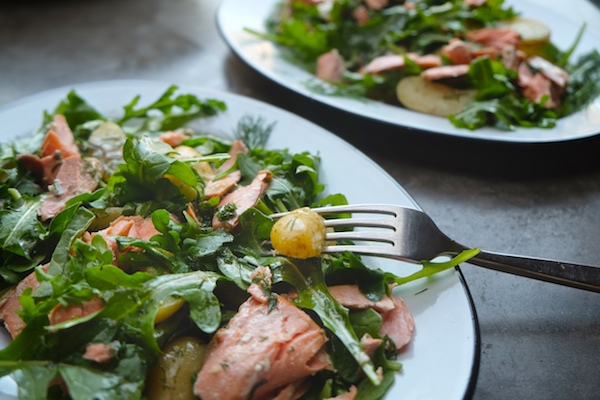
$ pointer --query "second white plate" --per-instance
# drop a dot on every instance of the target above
(235, 15)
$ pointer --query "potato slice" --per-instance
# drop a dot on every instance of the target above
(534, 34)
(172, 378)
(432, 98)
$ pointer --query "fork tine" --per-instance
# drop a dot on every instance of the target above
(364, 222)
(354, 208)
(366, 236)
(370, 250)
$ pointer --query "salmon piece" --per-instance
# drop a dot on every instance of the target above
(350, 296)
(376, 4)
(60, 313)
(538, 87)
(361, 15)
(426, 61)
(262, 352)
(99, 352)
(125, 226)
(221, 187)
(445, 72)
(44, 168)
(497, 38)
(392, 62)
(59, 139)
(458, 51)
(370, 344)
(244, 198)
(10, 303)
(397, 321)
(475, 3)
(58, 144)
(535, 86)
(237, 147)
(173, 138)
(556, 75)
(75, 176)
(330, 66)
(398, 324)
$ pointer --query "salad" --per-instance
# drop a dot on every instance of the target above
(476, 62)
(137, 262)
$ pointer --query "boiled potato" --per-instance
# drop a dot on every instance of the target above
(299, 234)
(172, 378)
(433, 98)
(168, 307)
(534, 34)
(203, 168)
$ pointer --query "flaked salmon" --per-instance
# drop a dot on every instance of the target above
(99, 352)
(497, 38)
(220, 187)
(376, 4)
(392, 62)
(536, 87)
(173, 138)
(60, 313)
(135, 227)
(76, 175)
(263, 352)
(243, 198)
(458, 51)
(10, 304)
(555, 74)
(398, 322)
(331, 66)
(445, 72)
(59, 139)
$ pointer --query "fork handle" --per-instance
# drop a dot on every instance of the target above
(563, 273)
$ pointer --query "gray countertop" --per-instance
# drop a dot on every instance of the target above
(538, 340)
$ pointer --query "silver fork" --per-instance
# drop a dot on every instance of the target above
(411, 235)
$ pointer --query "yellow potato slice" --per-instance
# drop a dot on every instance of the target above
(432, 98)
(534, 34)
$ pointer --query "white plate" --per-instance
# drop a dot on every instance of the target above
(235, 15)
(442, 361)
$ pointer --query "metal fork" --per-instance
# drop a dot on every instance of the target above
(410, 235)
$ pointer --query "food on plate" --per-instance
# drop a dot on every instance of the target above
(299, 234)
(152, 274)
(433, 98)
(363, 48)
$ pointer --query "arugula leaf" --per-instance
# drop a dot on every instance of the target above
(149, 173)
(76, 111)
(169, 112)
(20, 228)
(306, 276)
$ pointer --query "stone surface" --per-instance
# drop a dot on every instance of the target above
(538, 340)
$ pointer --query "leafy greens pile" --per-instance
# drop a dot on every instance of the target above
(304, 30)
(210, 269)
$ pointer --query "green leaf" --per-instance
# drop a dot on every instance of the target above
(32, 377)
(86, 383)
(20, 229)
(76, 111)
(431, 268)
(306, 276)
